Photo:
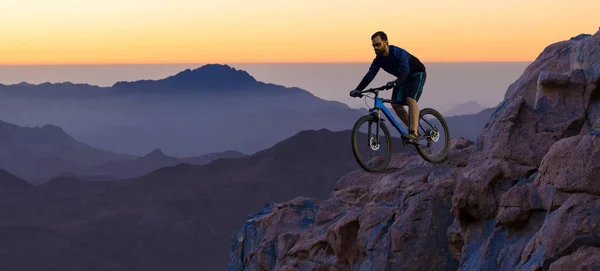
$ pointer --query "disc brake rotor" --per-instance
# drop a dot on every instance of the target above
(435, 136)
(374, 144)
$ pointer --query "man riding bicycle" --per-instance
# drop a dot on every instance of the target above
(408, 86)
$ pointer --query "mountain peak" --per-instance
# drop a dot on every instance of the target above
(46, 133)
(220, 69)
(209, 76)
(53, 132)
(156, 153)
(212, 75)
(470, 107)
(52, 128)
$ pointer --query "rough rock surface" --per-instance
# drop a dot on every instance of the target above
(524, 196)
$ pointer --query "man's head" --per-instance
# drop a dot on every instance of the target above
(380, 43)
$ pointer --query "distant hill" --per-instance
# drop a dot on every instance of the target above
(38, 153)
(470, 107)
(154, 160)
(208, 78)
(52, 90)
(468, 126)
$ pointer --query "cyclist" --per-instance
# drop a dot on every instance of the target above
(408, 86)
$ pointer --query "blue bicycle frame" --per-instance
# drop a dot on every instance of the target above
(380, 107)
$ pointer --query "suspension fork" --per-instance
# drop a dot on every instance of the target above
(378, 124)
(378, 118)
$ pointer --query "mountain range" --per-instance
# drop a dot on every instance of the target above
(39, 154)
(176, 217)
(191, 113)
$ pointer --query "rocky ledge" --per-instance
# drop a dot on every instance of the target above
(524, 196)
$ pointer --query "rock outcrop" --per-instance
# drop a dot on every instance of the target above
(524, 196)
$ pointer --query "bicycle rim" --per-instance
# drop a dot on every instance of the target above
(434, 136)
(372, 150)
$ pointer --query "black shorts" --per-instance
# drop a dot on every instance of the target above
(411, 87)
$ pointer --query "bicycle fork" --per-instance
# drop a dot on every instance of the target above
(369, 133)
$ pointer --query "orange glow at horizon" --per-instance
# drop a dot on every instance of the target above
(39, 32)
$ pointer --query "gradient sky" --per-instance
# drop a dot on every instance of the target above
(236, 31)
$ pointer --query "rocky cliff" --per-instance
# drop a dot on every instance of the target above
(524, 196)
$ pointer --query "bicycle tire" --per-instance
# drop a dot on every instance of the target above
(444, 155)
(355, 133)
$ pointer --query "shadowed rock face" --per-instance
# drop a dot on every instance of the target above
(524, 196)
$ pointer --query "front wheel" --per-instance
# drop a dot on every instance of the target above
(371, 146)
(434, 136)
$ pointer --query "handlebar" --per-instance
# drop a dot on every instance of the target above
(375, 89)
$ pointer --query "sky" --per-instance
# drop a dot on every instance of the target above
(41, 32)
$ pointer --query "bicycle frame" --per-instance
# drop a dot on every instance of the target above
(380, 107)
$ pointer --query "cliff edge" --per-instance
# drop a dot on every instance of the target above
(524, 196)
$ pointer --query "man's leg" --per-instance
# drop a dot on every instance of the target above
(401, 112)
(414, 88)
(413, 108)
(398, 95)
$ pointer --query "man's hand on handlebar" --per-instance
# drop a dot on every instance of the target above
(355, 93)
(390, 84)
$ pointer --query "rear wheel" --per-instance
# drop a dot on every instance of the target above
(372, 149)
(434, 136)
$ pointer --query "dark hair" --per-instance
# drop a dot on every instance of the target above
(381, 34)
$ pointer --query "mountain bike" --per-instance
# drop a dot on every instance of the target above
(432, 129)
